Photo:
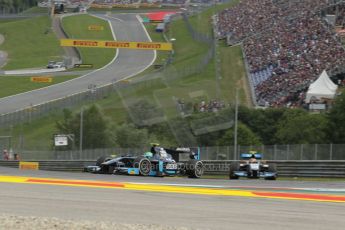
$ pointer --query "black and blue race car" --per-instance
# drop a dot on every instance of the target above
(251, 166)
(157, 162)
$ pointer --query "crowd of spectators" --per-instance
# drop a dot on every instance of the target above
(252, 16)
(111, 2)
(286, 43)
(173, 2)
(211, 106)
(163, 2)
(187, 108)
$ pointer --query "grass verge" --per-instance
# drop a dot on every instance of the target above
(11, 85)
(30, 43)
(36, 10)
(77, 27)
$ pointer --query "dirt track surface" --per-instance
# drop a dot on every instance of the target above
(40, 223)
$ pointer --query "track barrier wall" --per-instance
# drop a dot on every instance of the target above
(318, 169)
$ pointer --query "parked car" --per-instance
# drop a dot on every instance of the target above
(251, 166)
(54, 65)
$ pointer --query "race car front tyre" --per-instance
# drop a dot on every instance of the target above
(194, 169)
(111, 169)
(234, 166)
(272, 168)
(144, 166)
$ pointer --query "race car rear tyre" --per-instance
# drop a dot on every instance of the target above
(102, 159)
(104, 168)
(234, 166)
(144, 166)
(194, 168)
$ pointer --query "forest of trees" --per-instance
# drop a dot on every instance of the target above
(15, 6)
(256, 127)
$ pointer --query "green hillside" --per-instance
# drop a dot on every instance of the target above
(30, 43)
(192, 88)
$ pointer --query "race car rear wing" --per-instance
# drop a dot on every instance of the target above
(184, 154)
(249, 155)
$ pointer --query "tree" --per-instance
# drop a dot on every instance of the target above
(263, 122)
(336, 118)
(245, 137)
(128, 136)
(210, 127)
(300, 127)
(144, 113)
(96, 133)
(16, 6)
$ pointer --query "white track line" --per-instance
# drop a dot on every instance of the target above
(182, 185)
(245, 187)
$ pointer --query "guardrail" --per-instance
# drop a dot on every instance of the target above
(33, 71)
(56, 165)
(326, 169)
(290, 168)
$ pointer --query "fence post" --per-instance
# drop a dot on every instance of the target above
(275, 152)
(315, 155)
(331, 151)
(228, 152)
(238, 151)
(217, 152)
(263, 151)
(301, 153)
(287, 151)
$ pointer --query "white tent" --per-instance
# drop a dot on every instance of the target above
(323, 87)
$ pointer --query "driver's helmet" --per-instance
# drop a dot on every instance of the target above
(163, 153)
(253, 154)
(154, 144)
(157, 149)
(154, 148)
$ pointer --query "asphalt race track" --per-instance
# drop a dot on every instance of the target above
(183, 202)
(126, 63)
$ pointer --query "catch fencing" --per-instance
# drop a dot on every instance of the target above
(303, 152)
(278, 152)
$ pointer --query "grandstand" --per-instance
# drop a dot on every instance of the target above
(287, 44)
